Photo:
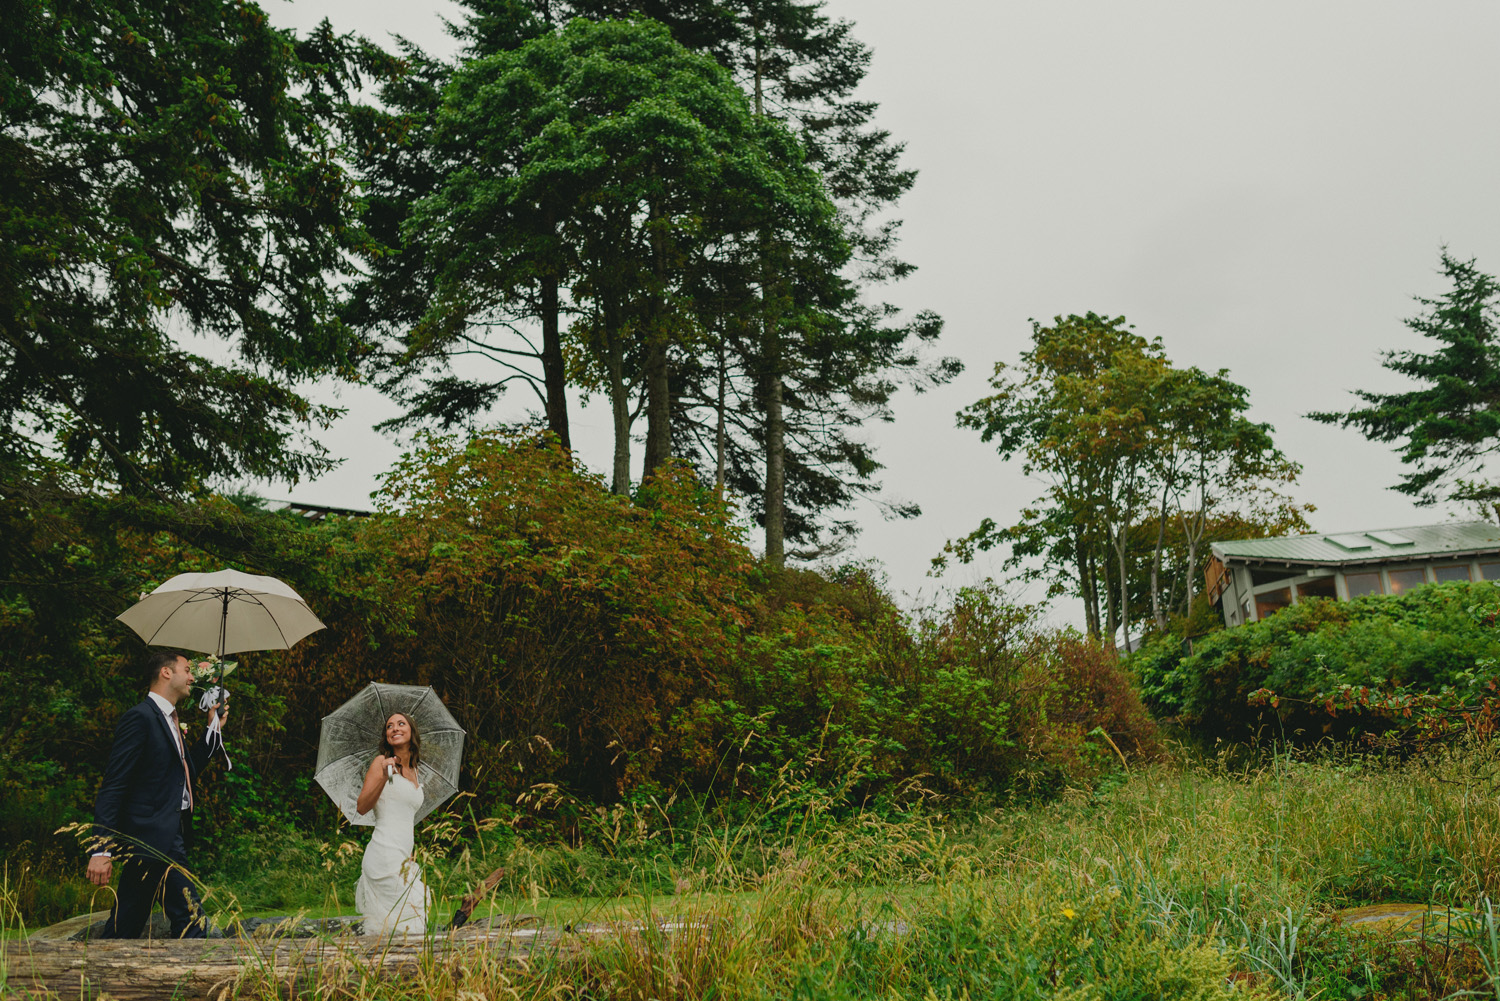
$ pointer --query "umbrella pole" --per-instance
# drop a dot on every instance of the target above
(223, 638)
(215, 733)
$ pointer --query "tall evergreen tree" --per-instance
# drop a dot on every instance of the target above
(423, 293)
(1449, 427)
(771, 415)
(170, 168)
(801, 67)
(649, 170)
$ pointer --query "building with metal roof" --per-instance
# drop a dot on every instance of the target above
(318, 512)
(1253, 578)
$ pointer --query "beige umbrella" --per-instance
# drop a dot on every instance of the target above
(221, 612)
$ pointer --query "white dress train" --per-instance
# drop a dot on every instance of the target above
(390, 895)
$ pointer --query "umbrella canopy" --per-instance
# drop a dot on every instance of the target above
(351, 737)
(221, 613)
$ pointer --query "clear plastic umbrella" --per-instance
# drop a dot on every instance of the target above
(351, 736)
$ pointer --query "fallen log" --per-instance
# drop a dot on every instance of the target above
(146, 970)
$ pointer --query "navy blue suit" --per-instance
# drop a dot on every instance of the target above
(138, 818)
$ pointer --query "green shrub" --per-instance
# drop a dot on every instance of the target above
(1438, 636)
(878, 705)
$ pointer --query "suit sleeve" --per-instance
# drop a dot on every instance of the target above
(109, 804)
(198, 753)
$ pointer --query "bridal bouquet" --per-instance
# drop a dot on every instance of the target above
(206, 674)
(207, 670)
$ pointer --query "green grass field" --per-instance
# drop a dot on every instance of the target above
(1194, 879)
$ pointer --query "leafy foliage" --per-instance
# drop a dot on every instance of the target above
(599, 652)
(1142, 460)
(717, 290)
(1314, 654)
(563, 622)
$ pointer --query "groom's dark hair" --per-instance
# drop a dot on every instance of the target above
(155, 661)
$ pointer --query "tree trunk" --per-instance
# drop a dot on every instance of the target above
(1192, 569)
(1086, 588)
(654, 368)
(658, 408)
(146, 970)
(1157, 611)
(1121, 551)
(719, 426)
(619, 398)
(1111, 608)
(775, 497)
(1193, 528)
(554, 372)
(775, 501)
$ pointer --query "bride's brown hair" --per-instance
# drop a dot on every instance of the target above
(415, 743)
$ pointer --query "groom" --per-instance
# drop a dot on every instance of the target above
(144, 808)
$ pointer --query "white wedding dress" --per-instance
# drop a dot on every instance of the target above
(390, 895)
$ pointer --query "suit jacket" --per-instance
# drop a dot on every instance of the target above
(140, 799)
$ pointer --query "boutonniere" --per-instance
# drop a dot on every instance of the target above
(183, 728)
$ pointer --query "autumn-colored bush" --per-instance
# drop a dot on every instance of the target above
(561, 623)
(1072, 710)
(1093, 712)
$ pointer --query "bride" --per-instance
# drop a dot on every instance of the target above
(390, 895)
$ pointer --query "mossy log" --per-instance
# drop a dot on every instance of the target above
(138, 970)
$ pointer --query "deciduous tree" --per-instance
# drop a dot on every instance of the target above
(1141, 459)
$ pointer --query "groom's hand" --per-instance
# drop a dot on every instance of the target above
(100, 868)
(222, 712)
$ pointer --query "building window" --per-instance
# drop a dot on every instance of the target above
(1363, 583)
(1245, 609)
(1445, 574)
(1272, 602)
(1489, 571)
(1404, 580)
(1260, 575)
(1318, 587)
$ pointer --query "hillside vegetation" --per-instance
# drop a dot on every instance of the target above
(600, 652)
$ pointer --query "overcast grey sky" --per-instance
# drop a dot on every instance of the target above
(1264, 186)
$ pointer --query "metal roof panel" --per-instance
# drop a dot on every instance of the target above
(1419, 542)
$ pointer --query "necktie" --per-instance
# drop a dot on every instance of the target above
(187, 777)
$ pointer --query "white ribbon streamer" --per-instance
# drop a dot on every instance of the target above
(215, 735)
